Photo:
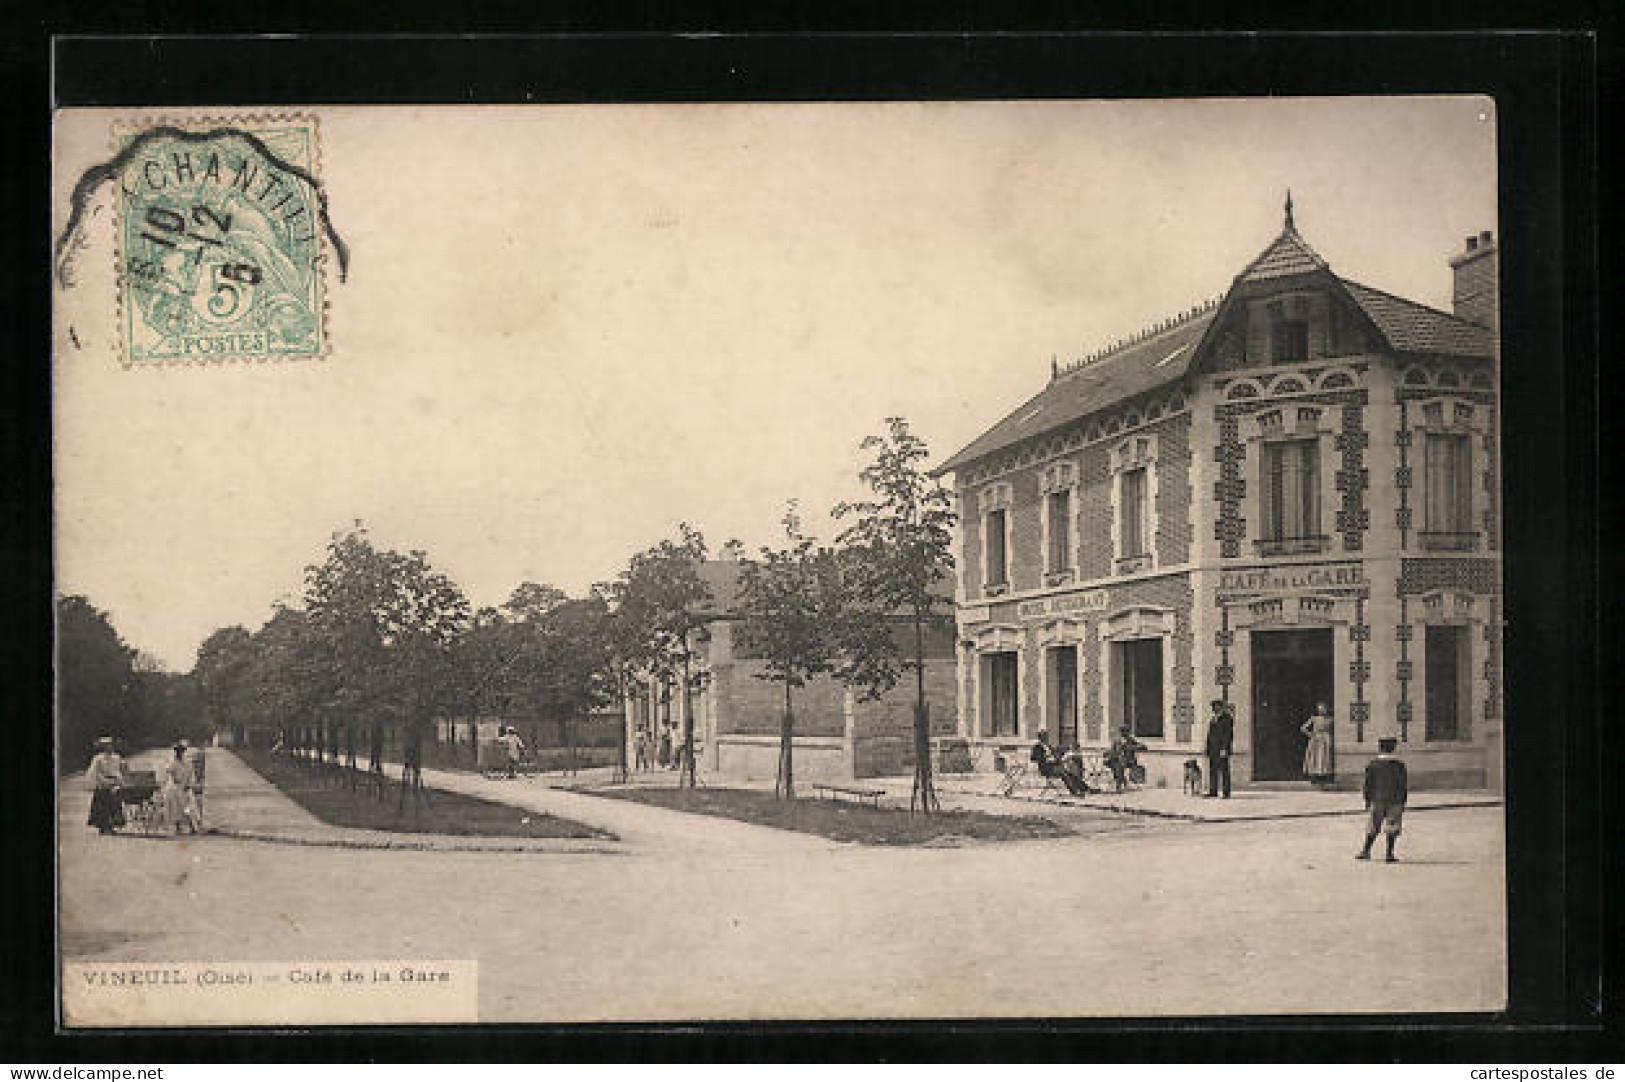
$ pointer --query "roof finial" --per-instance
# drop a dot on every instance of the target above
(1289, 223)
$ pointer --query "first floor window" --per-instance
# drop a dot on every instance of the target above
(1060, 531)
(997, 557)
(1447, 483)
(1131, 505)
(1291, 490)
(1139, 685)
(1001, 694)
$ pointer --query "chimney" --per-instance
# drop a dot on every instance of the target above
(1478, 281)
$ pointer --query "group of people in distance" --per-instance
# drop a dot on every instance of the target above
(179, 795)
(1385, 788)
(650, 752)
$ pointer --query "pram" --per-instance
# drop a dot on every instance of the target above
(143, 804)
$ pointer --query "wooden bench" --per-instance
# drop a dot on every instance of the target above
(847, 792)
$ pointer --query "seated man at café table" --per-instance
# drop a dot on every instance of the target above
(1051, 764)
(1124, 757)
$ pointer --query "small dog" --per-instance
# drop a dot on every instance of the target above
(1193, 777)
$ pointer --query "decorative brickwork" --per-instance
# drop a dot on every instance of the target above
(1359, 635)
(1352, 479)
(1026, 532)
(1173, 522)
(1360, 714)
(1402, 670)
(1095, 511)
(1492, 484)
(1475, 575)
(1092, 712)
(1492, 661)
(1229, 529)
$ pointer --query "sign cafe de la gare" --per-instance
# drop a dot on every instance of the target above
(1268, 580)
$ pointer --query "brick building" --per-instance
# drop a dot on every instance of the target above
(1286, 496)
(737, 714)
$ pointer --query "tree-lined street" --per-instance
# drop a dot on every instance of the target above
(698, 918)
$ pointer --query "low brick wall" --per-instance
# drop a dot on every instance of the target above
(756, 758)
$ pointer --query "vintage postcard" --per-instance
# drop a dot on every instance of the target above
(666, 563)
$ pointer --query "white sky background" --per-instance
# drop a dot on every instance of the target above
(566, 329)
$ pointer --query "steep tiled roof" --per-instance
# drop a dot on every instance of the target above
(1142, 365)
(1416, 328)
(1288, 255)
(1165, 356)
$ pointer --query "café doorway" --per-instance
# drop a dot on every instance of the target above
(1292, 671)
(1063, 694)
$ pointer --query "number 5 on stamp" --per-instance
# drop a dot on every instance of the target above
(220, 253)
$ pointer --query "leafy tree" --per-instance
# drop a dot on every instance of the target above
(95, 681)
(792, 602)
(388, 622)
(663, 588)
(580, 662)
(485, 655)
(220, 673)
(532, 601)
(898, 547)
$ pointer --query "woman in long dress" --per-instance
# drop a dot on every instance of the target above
(1317, 755)
(106, 777)
(177, 792)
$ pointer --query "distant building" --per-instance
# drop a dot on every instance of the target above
(737, 714)
(1288, 495)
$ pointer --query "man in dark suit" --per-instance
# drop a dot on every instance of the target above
(1387, 786)
(1221, 735)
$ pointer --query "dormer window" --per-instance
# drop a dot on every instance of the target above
(1290, 341)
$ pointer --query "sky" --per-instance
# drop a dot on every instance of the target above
(566, 329)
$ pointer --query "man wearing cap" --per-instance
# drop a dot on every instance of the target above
(1386, 790)
(1221, 738)
(1221, 735)
(106, 777)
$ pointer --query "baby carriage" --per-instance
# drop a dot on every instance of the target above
(143, 806)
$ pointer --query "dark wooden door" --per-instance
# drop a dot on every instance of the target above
(1292, 671)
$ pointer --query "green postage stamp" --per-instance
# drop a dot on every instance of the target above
(220, 250)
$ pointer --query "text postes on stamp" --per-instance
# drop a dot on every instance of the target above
(219, 236)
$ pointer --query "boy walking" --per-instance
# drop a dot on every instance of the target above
(1386, 784)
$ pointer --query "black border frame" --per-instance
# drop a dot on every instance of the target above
(1546, 89)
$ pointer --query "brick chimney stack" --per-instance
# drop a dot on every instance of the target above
(1478, 281)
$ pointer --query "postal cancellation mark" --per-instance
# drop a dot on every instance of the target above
(219, 242)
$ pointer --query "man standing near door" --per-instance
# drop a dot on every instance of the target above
(1221, 735)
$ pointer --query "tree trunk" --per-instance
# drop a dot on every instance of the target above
(349, 754)
(685, 773)
(569, 743)
(925, 792)
(786, 787)
(622, 771)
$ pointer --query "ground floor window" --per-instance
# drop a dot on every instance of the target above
(999, 672)
(1445, 682)
(1137, 664)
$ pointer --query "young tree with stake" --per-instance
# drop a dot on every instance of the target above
(792, 603)
(898, 547)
